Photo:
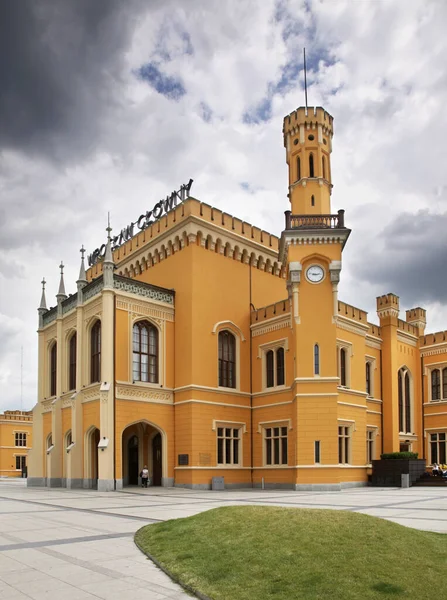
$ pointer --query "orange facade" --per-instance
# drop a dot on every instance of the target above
(15, 442)
(224, 351)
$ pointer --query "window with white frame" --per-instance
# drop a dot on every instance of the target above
(438, 448)
(404, 400)
(344, 366)
(274, 367)
(438, 381)
(275, 445)
(20, 463)
(228, 445)
(370, 446)
(344, 443)
(20, 439)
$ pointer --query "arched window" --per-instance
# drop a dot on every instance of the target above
(270, 368)
(280, 366)
(323, 165)
(436, 384)
(404, 400)
(227, 359)
(95, 352)
(72, 363)
(53, 369)
(343, 367)
(68, 439)
(298, 168)
(312, 200)
(316, 359)
(311, 165)
(145, 352)
(368, 378)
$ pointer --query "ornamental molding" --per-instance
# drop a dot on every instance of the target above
(141, 289)
(143, 394)
(47, 406)
(311, 238)
(435, 351)
(274, 324)
(197, 231)
(92, 289)
(67, 402)
(351, 325)
(90, 394)
(70, 303)
(390, 311)
(373, 342)
(406, 338)
(149, 309)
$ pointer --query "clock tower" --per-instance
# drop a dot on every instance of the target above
(311, 247)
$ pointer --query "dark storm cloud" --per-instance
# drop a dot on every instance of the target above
(412, 261)
(58, 64)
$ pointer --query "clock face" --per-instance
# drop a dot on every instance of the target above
(315, 273)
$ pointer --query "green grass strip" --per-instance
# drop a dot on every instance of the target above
(263, 553)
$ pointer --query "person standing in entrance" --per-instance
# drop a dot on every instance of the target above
(144, 476)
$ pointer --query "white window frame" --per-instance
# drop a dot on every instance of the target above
(371, 434)
(436, 367)
(262, 354)
(372, 367)
(161, 353)
(18, 435)
(347, 346)
(350, 426)
(242, 428)
(430, 433)
(262, 427)
(404, 434)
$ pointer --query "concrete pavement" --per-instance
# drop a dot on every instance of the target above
(78, 544)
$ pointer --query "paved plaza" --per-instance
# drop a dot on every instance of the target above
(78, 544)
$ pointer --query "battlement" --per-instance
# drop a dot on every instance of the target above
(352, 312)
(269, 312)
(374, 330)
(17, 415)
(439, 337)
(388, 305)
(416, 314)
(407, 327)
(311, 118)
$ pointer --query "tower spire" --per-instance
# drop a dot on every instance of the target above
(61, 295)
(108, 266)
(43, 300)
(82, 279)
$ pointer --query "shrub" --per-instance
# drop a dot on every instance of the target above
(399, 455)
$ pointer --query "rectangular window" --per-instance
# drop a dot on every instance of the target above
(275, 445)
(370, 454)
(20, 439)
(20, 463)
(438, 448)
(344, 444)
(228, 445)
(274, 367)
(317, 452)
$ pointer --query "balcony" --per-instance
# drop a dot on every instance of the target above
(306, 222)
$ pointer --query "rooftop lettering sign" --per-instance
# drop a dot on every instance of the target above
(151, 216)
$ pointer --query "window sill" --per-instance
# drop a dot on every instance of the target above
(275, 388)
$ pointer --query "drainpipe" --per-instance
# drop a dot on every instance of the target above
(381, 397)
(114, 389)
(251, 378)
(422, 408)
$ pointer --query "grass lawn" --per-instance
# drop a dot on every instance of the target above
(262, 553)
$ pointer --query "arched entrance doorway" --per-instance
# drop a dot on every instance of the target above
(132, 460)
(156, 459)
(143, 444)
(92, 438)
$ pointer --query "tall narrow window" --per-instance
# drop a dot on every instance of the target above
(317, 452)
(72, 363)
(404, 399)
(298, 168)
(280, 366)
(275, 445)
(227, 359)
(145, 352)
(312, 200)
(95, 353)
(323, 165)
(316, 359)
(401, 401)
(343, 366)
(270, 368)
(438, 448)
(444, 383)
(53, 369)
(311, 165)
(436, 384)
(370, 446)
(368, 378)
(407, 404)
(344, 444)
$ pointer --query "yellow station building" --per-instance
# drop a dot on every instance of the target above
(205, 347)
(15, 442)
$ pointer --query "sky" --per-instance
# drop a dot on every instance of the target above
(109, 106)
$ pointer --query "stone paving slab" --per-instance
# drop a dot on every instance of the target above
(78, 544)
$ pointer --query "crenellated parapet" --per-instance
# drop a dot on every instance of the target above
(309, 119)
(388, 306)
(417, 317)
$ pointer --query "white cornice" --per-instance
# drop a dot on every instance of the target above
(351, 325)
(273, 324)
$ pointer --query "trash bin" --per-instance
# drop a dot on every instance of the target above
(405, 481)
(25, 472)
(218, 483)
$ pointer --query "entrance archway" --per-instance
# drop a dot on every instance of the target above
(132, 460)
(92, 437)
(143, 444)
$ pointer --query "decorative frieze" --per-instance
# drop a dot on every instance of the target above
(91, 394)
(272, 325)
(143, 394)
(143, 289)
(70, 303)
